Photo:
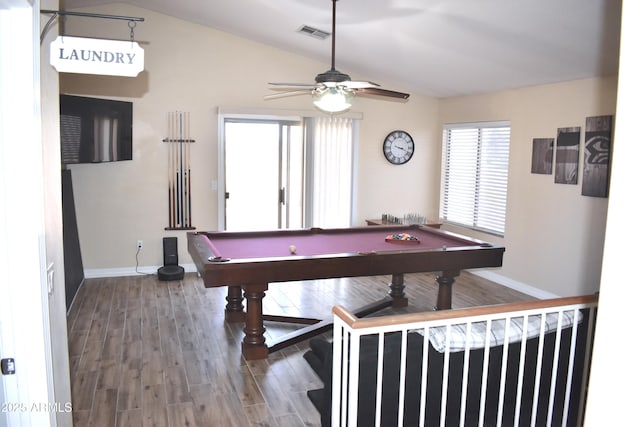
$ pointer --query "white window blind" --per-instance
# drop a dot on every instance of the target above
(475, 166)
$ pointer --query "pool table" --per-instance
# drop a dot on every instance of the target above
(248, 261)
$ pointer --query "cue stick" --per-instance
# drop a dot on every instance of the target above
(189, 194)
(175, 166)
(185, 148)
(172, 218)
(175, 171)
(169, 164)
(180, 178)
(189, 170)
(184, 176)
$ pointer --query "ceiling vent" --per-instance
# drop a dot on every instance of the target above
(313, 32)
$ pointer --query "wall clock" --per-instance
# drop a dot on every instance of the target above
(398, 147)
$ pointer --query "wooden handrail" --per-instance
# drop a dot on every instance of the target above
(372, 322)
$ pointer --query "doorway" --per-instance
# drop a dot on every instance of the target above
(264, 174)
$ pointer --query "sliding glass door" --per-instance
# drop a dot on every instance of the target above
(287, 173)
(264, 168)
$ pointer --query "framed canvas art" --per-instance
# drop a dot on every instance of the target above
(542, 155)
(597, 152)
(567, 154)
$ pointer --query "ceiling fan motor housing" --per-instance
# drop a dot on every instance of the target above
(333, 76)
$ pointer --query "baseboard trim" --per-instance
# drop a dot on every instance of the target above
(131, 271)
(514, 284)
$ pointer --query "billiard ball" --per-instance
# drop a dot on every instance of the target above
(292, 249)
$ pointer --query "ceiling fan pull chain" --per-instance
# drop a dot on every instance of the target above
(132, 25)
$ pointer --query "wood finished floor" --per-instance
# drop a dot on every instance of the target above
(150, 353)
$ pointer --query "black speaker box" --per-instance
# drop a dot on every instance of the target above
(171, 270)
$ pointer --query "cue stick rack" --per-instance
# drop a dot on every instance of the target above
(179, 171)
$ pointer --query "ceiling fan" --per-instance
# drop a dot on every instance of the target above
(334, 90)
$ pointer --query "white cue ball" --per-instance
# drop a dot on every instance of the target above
(292, 249)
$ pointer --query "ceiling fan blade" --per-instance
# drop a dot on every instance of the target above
(285, 94)
(383, 92)
(358, 85)
(309, 85)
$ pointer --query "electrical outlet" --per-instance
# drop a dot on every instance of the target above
(139, 244)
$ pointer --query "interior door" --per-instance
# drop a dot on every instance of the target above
(263, 173)
(24, 303)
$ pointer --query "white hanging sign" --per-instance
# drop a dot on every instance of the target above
(96, 56)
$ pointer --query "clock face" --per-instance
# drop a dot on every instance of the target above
(398, 147)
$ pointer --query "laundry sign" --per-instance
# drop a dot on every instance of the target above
(96, 56)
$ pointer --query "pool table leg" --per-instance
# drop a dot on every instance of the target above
(234, 311)
(253, 344)
(445, 283)
(396, 291)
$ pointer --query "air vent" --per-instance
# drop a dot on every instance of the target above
(313, 32)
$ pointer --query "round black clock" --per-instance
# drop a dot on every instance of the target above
(398, 147)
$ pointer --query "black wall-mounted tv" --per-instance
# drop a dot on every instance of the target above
(95, 130)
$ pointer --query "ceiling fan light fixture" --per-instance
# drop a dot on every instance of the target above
(334, 99)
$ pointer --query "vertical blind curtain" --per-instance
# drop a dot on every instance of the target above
(331, 149)
(475, 164)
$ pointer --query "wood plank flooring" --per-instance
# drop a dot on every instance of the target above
(150, 353)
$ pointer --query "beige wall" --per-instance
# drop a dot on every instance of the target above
(194, 68)
(554, 236)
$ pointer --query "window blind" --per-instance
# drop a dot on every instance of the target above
(475, 166)
(331, 171)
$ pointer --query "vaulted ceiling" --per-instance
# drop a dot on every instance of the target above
(437, 48)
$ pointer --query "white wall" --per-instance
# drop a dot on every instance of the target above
(613, 387)
(197, 69)
(554, 236)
